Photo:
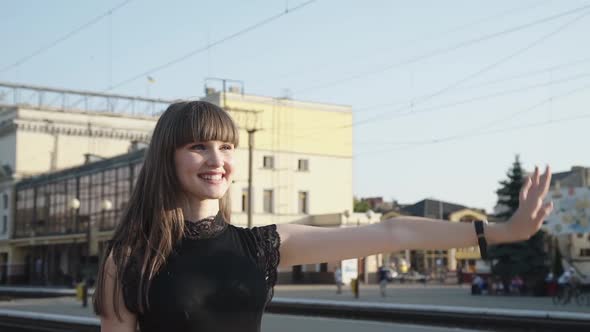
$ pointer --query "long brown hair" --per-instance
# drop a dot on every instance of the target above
(153, 223)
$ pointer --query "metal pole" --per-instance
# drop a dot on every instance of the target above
(250, 171)
(224, 92)
(86, 268)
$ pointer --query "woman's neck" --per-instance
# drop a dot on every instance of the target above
(197, 210)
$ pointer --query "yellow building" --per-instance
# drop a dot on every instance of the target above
(302, 164)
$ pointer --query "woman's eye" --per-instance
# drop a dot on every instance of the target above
(198, 147)
(227, 147)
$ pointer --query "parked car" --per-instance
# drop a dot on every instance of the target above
(391, 274)
(411, 276)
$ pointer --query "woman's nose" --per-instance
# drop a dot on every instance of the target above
(215, 158)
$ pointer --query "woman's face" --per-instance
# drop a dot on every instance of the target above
(205, 169)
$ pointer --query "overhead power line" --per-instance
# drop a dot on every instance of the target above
(64, 37)
(549, 69)
(445, 50)
(486, 129)
(319, 67)
(479, 72)
(549, 99)
(486, 133)
(398, 112)
(210, 45)
(493, 95)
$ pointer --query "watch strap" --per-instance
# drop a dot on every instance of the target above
(481, 238)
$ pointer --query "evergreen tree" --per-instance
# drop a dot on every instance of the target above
(527, 259)
(557, 265)
(510, 190)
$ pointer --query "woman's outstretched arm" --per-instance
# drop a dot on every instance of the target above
(308, 244)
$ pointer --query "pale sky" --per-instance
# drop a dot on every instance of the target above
(444, 93)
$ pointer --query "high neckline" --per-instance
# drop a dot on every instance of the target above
(206, 228)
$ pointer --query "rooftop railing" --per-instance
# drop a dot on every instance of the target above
(41, 97)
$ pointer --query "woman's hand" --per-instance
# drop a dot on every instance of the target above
(531, 212)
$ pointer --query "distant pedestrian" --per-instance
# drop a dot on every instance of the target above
(550, 284)
(39, 271)
(354, 285)
(476, 285)
(383, 277)
(459, 274)
(338, 280)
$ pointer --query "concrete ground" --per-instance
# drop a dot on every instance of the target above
(270, 322)
(430, 295)
(405, 294)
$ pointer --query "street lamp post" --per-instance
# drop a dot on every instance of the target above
(346, 214)
(369, 215)
(74, 205)
(105, 205)
(86, 267)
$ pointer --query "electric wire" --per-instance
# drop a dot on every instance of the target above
(64, 37)
(210, 45)
(392, 114)
(492, 132)
(444, 50)
(485, 129)
(535, 72)
(323, 66)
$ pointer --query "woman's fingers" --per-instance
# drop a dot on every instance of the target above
(546, 181)
(540, 184)
(536, 177)
(524, 191)
(543, 213)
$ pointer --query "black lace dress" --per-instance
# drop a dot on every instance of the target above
(219, 278)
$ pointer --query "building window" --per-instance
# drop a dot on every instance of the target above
(303, 203)
(268, 162)
(5, 199)
(4, 224)
(268, 201)
(245, 200)
(303, 165)
(585, 252)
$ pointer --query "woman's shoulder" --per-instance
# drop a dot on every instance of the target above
(263, 240)
(260, 234)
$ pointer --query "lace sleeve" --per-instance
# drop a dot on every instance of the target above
(268, 242)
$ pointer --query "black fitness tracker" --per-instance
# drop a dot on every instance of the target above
(481, 238)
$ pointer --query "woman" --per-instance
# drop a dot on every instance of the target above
(175, 263)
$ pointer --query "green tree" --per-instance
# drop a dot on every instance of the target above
(557, 265)
(360, 205)
(527, 259)
(510, 190)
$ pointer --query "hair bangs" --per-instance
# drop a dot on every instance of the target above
(206, 122)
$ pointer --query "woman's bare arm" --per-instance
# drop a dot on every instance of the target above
(308, 244)
(109, 322)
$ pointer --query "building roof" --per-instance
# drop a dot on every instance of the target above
(89, 168)
(432, 208)
(576, 177)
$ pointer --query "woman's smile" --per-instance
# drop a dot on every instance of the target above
(212, 177)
